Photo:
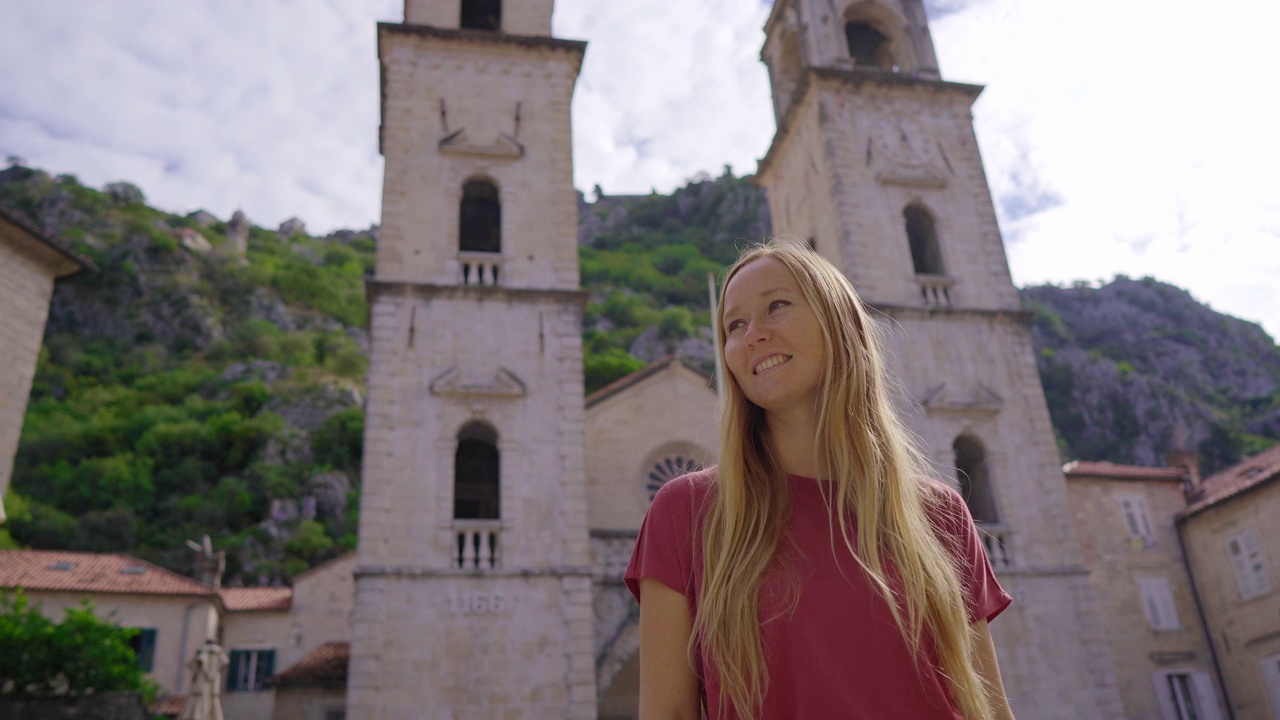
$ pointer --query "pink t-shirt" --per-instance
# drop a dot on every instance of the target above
(840, 654)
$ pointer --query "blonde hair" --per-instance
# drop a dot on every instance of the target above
(878, 476)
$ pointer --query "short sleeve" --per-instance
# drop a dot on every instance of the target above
(665, 545)
(984, 598)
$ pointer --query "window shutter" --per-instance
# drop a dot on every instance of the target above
(1249, 564)
(1144, 517)
(1257, 563)
(1206, 698)
(147, 649)
(1157, 599)
(266, 667)
(233, 670)
(1164, 696)
(1136, 519)
(1271, 678)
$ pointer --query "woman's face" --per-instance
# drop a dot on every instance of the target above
(773, 344)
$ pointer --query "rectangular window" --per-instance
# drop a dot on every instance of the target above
(1136, 518)
(1157, 602)
(1271, 678)
(1250, 565)
(1186, 695)
(250, 669)
(143, 645)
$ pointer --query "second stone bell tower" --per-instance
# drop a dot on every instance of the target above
(875, 161)
(473, 579)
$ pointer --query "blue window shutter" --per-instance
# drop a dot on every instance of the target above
(233, 670)
(147, 649)
(266, 667)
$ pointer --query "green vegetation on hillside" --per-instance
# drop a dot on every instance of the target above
(184, 390)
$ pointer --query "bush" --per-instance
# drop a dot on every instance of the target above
(600, 369)
(339, 442)
(80, 655)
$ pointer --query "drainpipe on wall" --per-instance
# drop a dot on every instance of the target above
(1204, 622)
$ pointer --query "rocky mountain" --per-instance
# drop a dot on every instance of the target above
(1135, 369)
(209, 378)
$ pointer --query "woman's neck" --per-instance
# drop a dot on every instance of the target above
(793, 436)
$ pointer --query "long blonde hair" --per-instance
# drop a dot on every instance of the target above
(878, 476)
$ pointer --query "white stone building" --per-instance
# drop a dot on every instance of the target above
(499, 506)
(31, 261)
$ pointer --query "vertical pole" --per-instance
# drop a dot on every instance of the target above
(715, 332)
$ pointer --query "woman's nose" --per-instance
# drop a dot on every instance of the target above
(758, 333)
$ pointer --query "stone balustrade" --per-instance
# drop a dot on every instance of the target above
(935, 290)
(998, 541)
(477, 543)
(480, 268)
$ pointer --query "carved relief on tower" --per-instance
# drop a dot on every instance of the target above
(906, 152)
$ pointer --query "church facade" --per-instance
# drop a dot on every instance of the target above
(499, 505)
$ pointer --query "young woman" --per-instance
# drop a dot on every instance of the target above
(819, 572)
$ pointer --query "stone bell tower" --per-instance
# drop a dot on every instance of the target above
(473, 585)
(875, 161)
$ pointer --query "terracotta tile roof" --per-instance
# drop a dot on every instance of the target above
(60, 571)
(1245, 475)
(256, 598)
(170, 706)
(627, 381)
(1113, 471)
(326, 666)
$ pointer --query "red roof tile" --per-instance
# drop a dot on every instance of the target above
(1245, 475)
(1113, 471)
(326, 666)
(256, 598)
(59, 571)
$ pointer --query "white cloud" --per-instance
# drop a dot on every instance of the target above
(1120, 136)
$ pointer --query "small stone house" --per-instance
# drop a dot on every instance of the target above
(175, 613)
(30, 263)
(270, 634)
(1124, 518)
(1231, 531)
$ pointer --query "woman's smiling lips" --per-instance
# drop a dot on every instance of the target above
(769, 363)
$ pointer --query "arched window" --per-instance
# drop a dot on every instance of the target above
(923, 236)
(476, 473)
(668, 468)
(482, 14)
(480, 218)
(867, 45)
(975, 481)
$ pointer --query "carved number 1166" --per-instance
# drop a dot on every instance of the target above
(476, 603)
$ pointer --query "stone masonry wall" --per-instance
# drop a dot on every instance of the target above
(1116, 561)
(479, 86)
(26, 286)
(674, 411)
(1243, 631)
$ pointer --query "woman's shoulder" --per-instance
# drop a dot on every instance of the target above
(690, 485)
(945, 507)
(686, 493)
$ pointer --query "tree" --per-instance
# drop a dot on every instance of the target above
(81, 654)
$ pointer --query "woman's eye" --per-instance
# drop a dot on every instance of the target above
(777, 304)
(734, 325)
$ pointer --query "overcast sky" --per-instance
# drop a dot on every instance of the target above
(1120, 136)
